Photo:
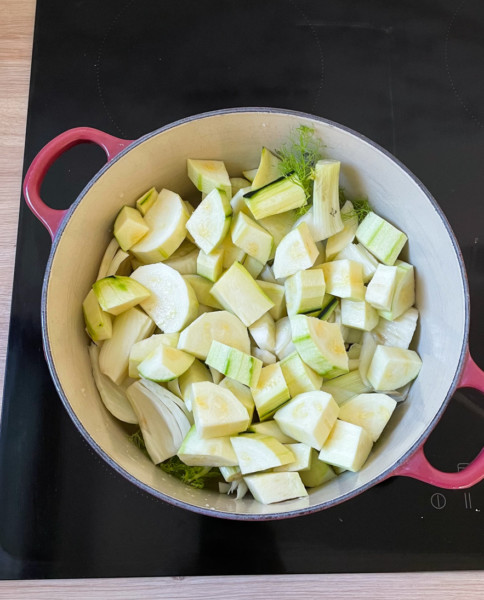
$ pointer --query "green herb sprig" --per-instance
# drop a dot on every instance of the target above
(361, 206)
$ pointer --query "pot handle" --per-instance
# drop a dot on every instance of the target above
(418, 467)
(52, 218)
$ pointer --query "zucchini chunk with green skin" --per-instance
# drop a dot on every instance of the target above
(271, 428)
(299, 377)
(99, 324)
(370, 411)
(251, 237)
(340, 240)
(113, 396)
(146, 201)
(166, 219)
(129, 227)
(404, 295)
(358, 253)
(320, 345)
(264, 332)
(277, 197)
(275, 487)
(381, 238)
(207, 175)
(271, 391)
(210, 222)
(165, 364)
(346, 386)
(117, 294)
(268, 170)
(239, 183)
(302, 454)
(308, 418)
(381, 288)
(358, 315)
(297, 251)
(210, 265)
(344, 278)
(275, 293)
(368, 347)
(216, 411)
(239, 293)
(399, 332)
(202, 288)
(253, 266)
(249, 174)
(214, 452)
(392, 368)
(258, 452)
(304, 291)
(195, 373)
(144, 348)
(318, 473)
(347, 446)
(232, 253)
(326, 211)
(184, 259)
(128, 328)
(221, 326)
(162, 422)
(235, 364)
(173, 303)
(241, 392)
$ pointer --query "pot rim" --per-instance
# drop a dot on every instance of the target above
(232, 515)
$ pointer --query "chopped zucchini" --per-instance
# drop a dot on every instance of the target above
(304, 291)
(344, 278)
(250, 174)
(210, 222)
(404, 295)
(381, 238)
(210, 265)
(184, 259)
(277, 197)
(381, 288)
(253, 266)
(144, 348)
(392, 368)
(258, 452)
(197, 451)
(117, 294)
(368, 347)
(129, 227)
(264, 332)
(99, 324)
(165, 363)
(358, 253)
(271, 428)
(358, 315)
(271, 391)
(235, 364)
(251, 237)
(279, 226)
(398, 332)
(275, 293)
(302, 454)
(284, 344)
(195, 373)
(232, 253)
(208, 175)
(370, 411)
(346, 386)
(241, 392)
(340, 240)
(202, 288)
(268, 170)
(347, 446)
(318, 473)
(297, 251)
(146, 201)
(326, 210)
(238, 183)
(299, 377)
(275, 487)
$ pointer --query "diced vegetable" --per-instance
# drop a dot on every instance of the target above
(320, 345)
(221, 326)
(210, 222)
(370, 411)
(275, 487)
(251, 237)
(275, 293)
(203, 290)
(344, 278)
(359, 314)
(340, 240)
(326, 211)
(120, 265)
(308, 418)
(99, 324)
(398, 332)
(392, 368)
(238, 292)
(347, 446)
(304, 291)
(381, 288)
(184, 259)
(318, 473)
(368, 347)
(302, 454)
(284, 344)
(271, 391)
(358, 253)
(216, 411)
(128, 328)
(173, 303)
(277, 197)
(117, 294)
(404, 295)
(214, 452)
(279, 226)
(195, 373)
(146, 201)
(232, 253)
(271, 428)
(235, 364)
(231, 473)
(144, 348)
(241, 392)
(253, 266)
(250, 174)
(165, 364)
(268, 170)
(238, 183)
(346, 386)
(166, 220)
(299, 377)
(129, 227)
(210, 265)
(208, 175)
(296, 251)
(264, 332)
(258, 452)
(381, 238)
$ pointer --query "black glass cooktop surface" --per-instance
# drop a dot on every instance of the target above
(406, 74)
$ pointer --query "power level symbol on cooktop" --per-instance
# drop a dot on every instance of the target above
(438, 500)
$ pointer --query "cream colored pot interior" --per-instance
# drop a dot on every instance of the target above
(237, 139)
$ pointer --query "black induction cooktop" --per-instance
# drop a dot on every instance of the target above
(406, 74)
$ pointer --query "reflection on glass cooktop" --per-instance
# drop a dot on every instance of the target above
(407, 75)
